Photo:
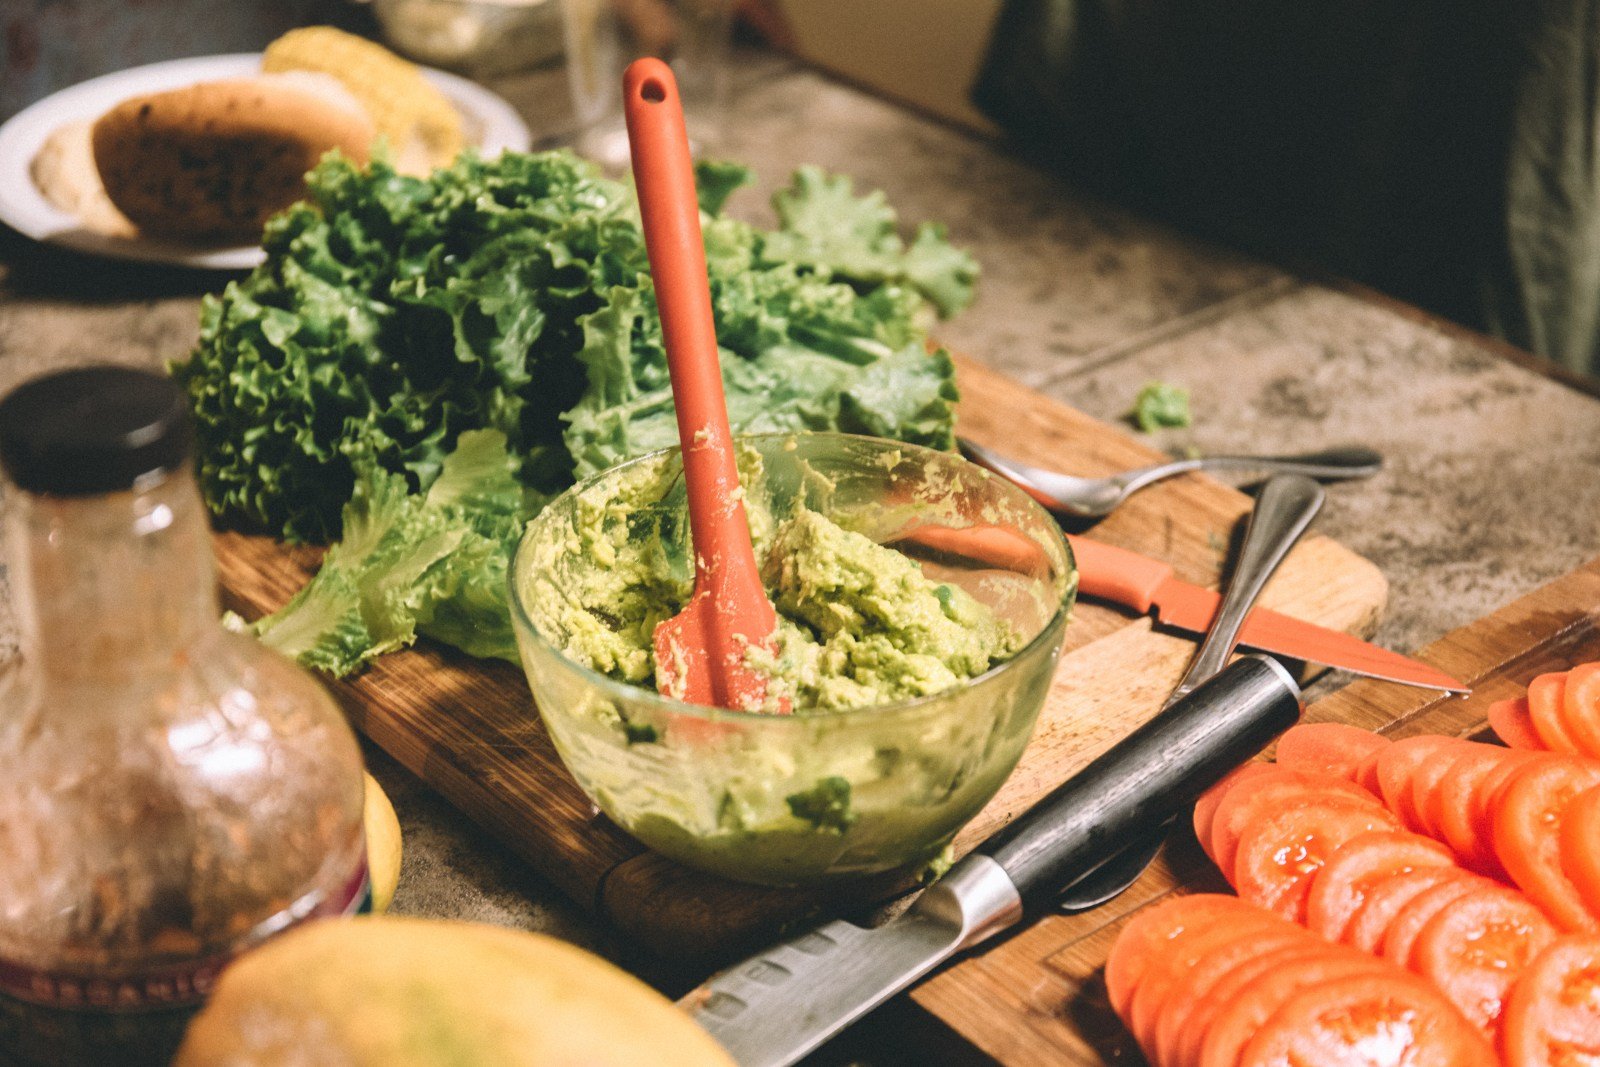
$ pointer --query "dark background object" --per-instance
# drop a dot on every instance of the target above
(1443, 152)
(47, 45)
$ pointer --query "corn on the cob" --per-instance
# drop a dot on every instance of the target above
(400, 101)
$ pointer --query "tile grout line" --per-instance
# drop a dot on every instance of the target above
(1103, 357)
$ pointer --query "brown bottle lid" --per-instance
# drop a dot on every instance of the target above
(93, 430)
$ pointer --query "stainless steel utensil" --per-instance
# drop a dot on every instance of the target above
(1094, 497)
(1284, 511)
(775, 1007)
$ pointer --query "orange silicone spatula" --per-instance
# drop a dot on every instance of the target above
(701, 653)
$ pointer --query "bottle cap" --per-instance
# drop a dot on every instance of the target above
(93, 430)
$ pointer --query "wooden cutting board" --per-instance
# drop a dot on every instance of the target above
(469, 728)
(1039, 997)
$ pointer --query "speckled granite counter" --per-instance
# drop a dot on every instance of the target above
(1490, 488)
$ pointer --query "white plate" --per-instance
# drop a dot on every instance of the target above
(491, 126)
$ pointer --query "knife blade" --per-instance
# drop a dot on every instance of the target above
(780, 1004)
(1141, 583)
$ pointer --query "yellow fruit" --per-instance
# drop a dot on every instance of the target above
(384, 992)
(383, 846)
(403, 105)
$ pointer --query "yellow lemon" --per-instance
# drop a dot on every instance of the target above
(383, 845)
(383, 991)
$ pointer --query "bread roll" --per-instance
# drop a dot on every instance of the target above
(214, 161)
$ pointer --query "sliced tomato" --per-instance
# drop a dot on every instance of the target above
(1427, 786)
(1398, 767)
(1552, 1017)
(1177, 956)
(1403, 932)
(1511, 723)
(1144, 939)
(1188, 996)
(1546, 700)
(1386, 900)
(1225, 990)
(1474, 948)
(1527, 834)
(1367, 773)
(1462, 826)
(1205, 809)
(1580, 847)
(1262, 794)
(1279, 856)
(1580, 707)
(1486, 797)
(1237, 1022)
(1355, 867)
(1335, 748)
(1367, 1020)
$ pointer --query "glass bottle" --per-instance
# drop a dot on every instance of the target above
(170, 793)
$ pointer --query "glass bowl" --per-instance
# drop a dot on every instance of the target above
(819, 794)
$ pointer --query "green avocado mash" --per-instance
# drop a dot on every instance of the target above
(820, 794)
(858, 623)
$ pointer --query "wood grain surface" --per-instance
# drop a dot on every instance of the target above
(469, 728)
(1039, 996)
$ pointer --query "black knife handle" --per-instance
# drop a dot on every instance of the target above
(1146, 777)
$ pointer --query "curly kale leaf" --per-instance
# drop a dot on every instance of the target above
(394, 314)
(433, 563)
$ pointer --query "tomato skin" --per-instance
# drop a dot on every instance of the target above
(1255, 796)
(1142, 940)
(1278, 857)
(1377, 913)
(1205, 809)
(1328, 747)
(1240, 1020)
(1546, 710)
(1398, 768)
(1473, 949)
(1193, 996)
(1463, 825)
(1528, 813)
(1512, 723)
(1580, 707)
(1339, 1023)
(1552, 1016)
(1356, 868)
(1402, 934)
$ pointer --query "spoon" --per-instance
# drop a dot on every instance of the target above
(1094, 497)
(701, 653)
(1283, 512)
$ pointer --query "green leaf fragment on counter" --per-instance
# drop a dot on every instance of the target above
(826, 805)
(1160, 405)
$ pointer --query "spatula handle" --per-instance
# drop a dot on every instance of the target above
(664, 174)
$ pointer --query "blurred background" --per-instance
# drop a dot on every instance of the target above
(1445, 154)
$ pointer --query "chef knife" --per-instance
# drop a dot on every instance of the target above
(777, 1006)
(1141, 583)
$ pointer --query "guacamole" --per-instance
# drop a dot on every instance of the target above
(858, 624)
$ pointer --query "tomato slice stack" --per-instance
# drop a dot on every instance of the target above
(1428, 900)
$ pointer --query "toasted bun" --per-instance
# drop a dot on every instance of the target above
(215, 160)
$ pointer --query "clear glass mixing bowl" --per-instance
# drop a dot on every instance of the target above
(817, 795)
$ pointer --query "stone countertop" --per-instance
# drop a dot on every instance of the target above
(1489, 489)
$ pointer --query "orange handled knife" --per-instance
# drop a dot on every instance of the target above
(1141, 583)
